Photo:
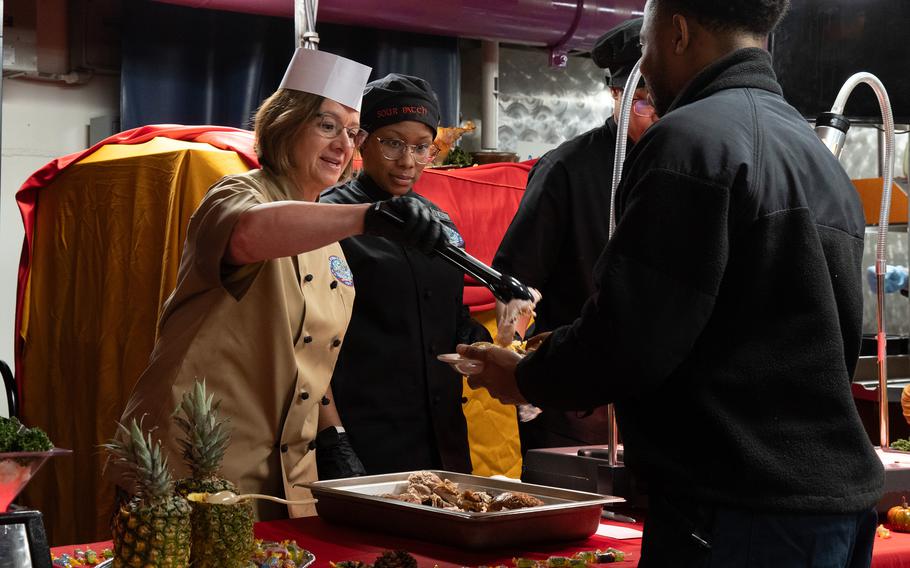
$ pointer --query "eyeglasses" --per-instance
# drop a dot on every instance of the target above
(642, 107)
(394, 149)
(330, 127)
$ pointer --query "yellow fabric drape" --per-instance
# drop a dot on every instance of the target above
(492, 426)
(109, 235)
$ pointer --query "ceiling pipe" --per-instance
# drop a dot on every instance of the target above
(571, 25)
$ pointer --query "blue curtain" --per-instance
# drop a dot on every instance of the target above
(196, 66)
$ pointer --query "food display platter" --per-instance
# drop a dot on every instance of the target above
(565, 514)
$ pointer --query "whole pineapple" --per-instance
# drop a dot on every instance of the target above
(222, 534)
(153, 528)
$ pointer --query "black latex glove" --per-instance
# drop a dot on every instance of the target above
(419, 227)
(469, 330)
(335, 458)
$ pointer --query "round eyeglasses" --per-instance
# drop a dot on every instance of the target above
(330, 127)
(394, 149)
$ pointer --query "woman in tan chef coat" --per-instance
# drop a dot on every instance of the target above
(264, 294)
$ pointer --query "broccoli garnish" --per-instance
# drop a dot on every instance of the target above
(14, 437)
(9, 432)
(902, 444)
(34, 440)
(458, 157)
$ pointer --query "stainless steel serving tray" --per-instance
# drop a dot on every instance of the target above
(565, 514)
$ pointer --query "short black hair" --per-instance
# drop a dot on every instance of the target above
(758, 17)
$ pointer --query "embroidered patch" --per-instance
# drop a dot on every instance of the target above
(341, 271)
(455, 238)
(442, 215)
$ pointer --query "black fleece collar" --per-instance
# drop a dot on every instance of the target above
(748, 68)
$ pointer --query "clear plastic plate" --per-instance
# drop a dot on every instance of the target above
(461, 364)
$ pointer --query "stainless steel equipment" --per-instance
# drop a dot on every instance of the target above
(831, 128)
(23, 543)
(565, 514)
(584, 468)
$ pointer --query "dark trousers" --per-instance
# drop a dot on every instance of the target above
(679, 534)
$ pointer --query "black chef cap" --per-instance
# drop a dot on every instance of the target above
(617, 51)
(396, 98)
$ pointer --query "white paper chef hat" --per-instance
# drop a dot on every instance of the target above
(328, 75)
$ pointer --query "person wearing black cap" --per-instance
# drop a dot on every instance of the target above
(400, 407)
(561, 227)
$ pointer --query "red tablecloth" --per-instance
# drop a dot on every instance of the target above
(334, 543)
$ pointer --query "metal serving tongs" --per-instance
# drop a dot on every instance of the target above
(504, 287)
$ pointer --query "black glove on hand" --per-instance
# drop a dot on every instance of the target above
(468, 330)
(335, 458)
(419, 227)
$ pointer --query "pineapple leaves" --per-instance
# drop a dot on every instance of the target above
(205, 438)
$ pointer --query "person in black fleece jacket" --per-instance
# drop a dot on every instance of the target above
(727, 315)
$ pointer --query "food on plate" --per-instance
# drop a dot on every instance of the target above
(579, 559)
(79, 557)
(426, 488)
(509, 314)
(284, 554)
(882, 532)
(152, 528)
(388, 559)
(222, 534)
(899, 517)
(901, 444)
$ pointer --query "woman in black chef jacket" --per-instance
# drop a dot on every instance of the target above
(401, 409)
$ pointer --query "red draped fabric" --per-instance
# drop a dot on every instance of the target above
(481, 201)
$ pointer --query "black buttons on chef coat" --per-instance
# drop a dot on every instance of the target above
(464, 400)
(427, 294)
(308, 278)
(284, 448)
(312, 445)
(308, 339)
(304, 395)
(336, 342)
(325, 401)
(334, 284)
